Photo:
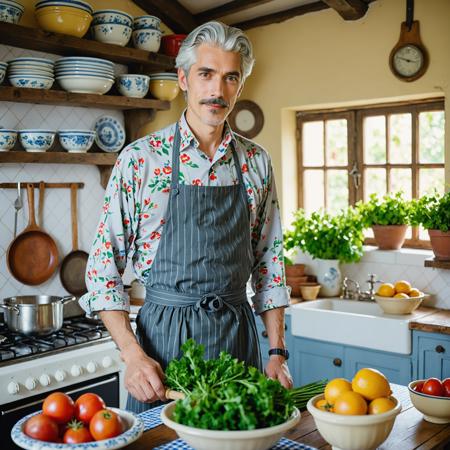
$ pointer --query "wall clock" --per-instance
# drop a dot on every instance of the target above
(246, 118)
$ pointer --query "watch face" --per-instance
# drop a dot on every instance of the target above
(408, 60)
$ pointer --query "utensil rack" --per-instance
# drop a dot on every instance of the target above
(23, 185)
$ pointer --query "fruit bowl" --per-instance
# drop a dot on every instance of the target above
(352, 432)
(435, 409)
(133, 424)
(201, 439)
(393, 305)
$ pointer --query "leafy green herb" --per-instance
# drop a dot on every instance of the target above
(432, 211)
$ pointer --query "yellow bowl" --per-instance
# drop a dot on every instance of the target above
(164, 89)
(64, 20)
(392, 305)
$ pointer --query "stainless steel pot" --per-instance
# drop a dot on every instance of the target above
(35, 314)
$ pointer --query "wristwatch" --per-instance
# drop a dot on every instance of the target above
(279, 351)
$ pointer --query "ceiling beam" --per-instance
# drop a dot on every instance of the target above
(231, 7)
(348, 9)
(172, 13)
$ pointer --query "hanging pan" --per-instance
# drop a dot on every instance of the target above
(73, 267)
(32, 256)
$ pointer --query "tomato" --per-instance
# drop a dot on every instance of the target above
(41, 427)
(87, 405)
(77, 433)
(59, 406)
(419, 386)
(433, 386)
(105, 424)
(446, 386)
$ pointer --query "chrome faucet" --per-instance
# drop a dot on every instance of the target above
(355, 293)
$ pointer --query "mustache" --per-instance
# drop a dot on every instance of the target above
(215, 101)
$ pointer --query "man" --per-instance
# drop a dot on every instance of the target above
(195, 206)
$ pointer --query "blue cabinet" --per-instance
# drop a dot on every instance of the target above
(431, 354)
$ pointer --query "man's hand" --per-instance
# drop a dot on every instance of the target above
(277, 369)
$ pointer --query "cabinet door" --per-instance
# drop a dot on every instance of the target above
(433, 355)
(315, 360)
(397, 369)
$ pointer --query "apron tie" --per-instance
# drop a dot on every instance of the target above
(213, 302)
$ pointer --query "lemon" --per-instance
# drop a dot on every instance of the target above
(350, 403)
(381, 405)
(401, 295)
(371, 384)
(335, 388)
(324, 405)
(386, 290)
(402, 286)
(414, 292)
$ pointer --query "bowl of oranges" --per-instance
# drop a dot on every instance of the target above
(399, 298)
(356, 415)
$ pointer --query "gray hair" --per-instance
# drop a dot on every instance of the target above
(217, 34)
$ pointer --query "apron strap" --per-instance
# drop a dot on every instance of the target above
(176, 160)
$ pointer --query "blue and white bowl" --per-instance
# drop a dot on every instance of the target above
(31, 81)
(8, 139)
(47, 63)
(146, 22)
(11, 11)
(82, 72)
(133, 85)
(84, 84)
(33, 140)
(76, 141)
(149, 40)
(112, 33)
(85, 60)
(112, 16)
(79, 4)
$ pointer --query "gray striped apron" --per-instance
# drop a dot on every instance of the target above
(196, 286)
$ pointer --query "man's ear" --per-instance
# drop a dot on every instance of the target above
(182, 79)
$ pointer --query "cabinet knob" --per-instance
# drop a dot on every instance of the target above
(440, 349)
(337, 362)
(264, 334)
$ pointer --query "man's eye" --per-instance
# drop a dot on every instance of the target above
(204, 74)
(233, 78)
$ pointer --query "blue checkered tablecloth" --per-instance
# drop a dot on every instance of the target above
(152, 418)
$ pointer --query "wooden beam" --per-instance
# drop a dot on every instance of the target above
(231, 7)
(172, 13)
(348, 9)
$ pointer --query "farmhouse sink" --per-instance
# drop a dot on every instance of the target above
(351, 322)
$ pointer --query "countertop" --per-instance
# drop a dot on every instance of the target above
(410, 431)
(436, 322)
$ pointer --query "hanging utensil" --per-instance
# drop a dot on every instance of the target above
(41, 204)
(18, 205)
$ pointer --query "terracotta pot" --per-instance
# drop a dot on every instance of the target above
(440, 243)
(389, 237)
(294, 270)
(294, 283)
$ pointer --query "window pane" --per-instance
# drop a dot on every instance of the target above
(430, 179)
(313, 144)
(431, 137)
(336, 148)
(313, 186)
(401, 180)
(337, 190)
(374, 182)
(400, 138)
(374, 140)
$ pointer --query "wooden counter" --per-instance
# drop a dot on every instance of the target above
(410, 431)
(437, 322)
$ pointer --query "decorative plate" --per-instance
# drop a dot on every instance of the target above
(246, 118)
(110, 134)
(133, 422)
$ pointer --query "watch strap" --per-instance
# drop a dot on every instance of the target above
(279, 351)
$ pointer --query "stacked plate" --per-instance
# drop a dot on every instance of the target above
(164, 76)
(85, 75)
(36, 73)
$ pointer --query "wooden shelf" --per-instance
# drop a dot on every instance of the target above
(61, 44)
(437, 264)
(99, 159)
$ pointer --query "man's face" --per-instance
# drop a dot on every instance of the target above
(213, 85)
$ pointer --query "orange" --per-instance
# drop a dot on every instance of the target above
(401, 295)
(402, 286)
(335, 388)
(386, 290)
(324, 405)
(381, 405)
(371, 384)
(350, 403)
(414, 292)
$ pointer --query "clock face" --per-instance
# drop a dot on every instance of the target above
(408, 60)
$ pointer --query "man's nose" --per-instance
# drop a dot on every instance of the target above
(217, 88)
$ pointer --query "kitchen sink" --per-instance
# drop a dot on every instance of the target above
(351, 322)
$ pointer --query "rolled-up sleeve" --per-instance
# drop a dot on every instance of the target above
(114, 240)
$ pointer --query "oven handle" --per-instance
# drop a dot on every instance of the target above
(67, 392)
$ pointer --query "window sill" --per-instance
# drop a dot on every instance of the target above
(404, 256)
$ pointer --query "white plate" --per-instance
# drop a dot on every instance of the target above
(110, 134)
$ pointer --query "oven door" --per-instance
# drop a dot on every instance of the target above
(107, 387)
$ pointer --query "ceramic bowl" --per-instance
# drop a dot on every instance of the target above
(8, 139)
(434, 409)
(10, 11)
(112, 33)
(2, 73)
(201, 439)
(41, 63)
(170, 45)
(31, 81)
(146, 22)
(84, 73)
(80, 4)
(38, 72)
(36, 140)
(112, 16)
(365, 432)
(309, 291)
(391, 305)
(84, 84)
(149, 40)
(133, 85)
(86, 61)
(76, 141)
(134, 429)
(64, 20)
(164, 89)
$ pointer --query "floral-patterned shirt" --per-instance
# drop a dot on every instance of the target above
(136, 201)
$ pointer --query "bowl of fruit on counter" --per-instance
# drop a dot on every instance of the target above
(357, 414)
(86, 423)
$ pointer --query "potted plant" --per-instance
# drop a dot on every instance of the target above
(389, 217)
(295, 274)
(330, 239)
(432, 211)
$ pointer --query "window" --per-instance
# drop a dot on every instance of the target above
(346, 155)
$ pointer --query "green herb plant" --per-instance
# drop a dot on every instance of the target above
(225, 394)
(432, 211)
